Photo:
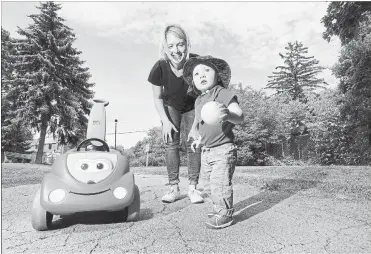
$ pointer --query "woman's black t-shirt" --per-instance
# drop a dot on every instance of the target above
(176, 93)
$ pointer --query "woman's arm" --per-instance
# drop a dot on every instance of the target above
(167, 126)
(159, 103)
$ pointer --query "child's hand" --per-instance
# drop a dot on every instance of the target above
(193, 134)
(224, 113)
(196, 144)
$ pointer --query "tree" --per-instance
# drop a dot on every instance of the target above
(15, 134)
(259, 127)
(267, 125)
(298, 74)
(327, 132)
(351, 22)
(7, 49)
(343, 19)
(354, 72)
(50, 81)
(157, 154)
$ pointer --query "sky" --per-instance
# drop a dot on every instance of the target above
(120, 43)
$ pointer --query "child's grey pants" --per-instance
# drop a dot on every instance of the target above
(218, 165)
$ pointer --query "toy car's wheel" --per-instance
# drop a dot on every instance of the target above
(119, 216)
(40, 218)
(134, 208)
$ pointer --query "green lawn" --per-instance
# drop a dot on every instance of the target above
(354, 181)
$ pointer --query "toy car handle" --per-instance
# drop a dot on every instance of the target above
(106, 147)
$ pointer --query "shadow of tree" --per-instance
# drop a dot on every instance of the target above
(273, 193)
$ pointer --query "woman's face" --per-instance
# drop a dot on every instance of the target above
(204, 77)
(176, 48)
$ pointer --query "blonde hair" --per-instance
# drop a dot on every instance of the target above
(180, 33)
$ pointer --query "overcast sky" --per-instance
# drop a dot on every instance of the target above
(120, 43)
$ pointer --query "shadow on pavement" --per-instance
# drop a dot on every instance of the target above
(273, 193)
(94, 218)
(145, 214)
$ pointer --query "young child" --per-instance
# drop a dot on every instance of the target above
(210, 77)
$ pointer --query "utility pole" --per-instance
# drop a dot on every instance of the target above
(115, 131)
(147, 151)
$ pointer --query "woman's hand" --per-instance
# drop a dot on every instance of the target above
(167, 128)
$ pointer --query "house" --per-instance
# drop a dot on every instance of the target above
(50, 145)
(50, 152)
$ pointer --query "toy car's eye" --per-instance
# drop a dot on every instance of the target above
(84, 166)
(102, 165)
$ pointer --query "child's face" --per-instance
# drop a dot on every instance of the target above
(204, 77)
(176, 48)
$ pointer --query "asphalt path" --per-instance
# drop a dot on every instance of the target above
(296, 221)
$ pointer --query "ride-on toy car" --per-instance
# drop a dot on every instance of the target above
(88, 179)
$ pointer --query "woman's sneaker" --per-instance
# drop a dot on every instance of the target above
(219, 221)
(172, 195)
(194, 195)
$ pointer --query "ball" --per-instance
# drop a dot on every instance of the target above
(210, 113)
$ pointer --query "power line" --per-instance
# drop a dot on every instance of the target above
(125, 132)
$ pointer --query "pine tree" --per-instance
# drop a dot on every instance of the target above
(16, 136)
(298, 74)
(51, 83)
(6, 50)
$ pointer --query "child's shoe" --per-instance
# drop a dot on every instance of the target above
(211, 214)
(194, 195)
(219, 221)
(172, 195)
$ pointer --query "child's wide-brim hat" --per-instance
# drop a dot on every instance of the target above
(221, 66)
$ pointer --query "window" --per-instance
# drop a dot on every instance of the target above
(50, 146)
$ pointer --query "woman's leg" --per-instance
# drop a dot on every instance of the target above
(172, 147)
(193, 160)
(172, 156)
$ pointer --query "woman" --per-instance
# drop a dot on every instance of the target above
(174, 102)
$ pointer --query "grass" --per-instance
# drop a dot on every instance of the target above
(14, 174)
(353, 181)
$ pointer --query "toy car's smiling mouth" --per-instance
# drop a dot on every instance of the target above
(92, 193)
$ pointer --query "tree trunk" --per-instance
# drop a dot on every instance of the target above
(40, 149)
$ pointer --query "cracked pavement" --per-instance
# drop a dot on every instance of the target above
(265, 222)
